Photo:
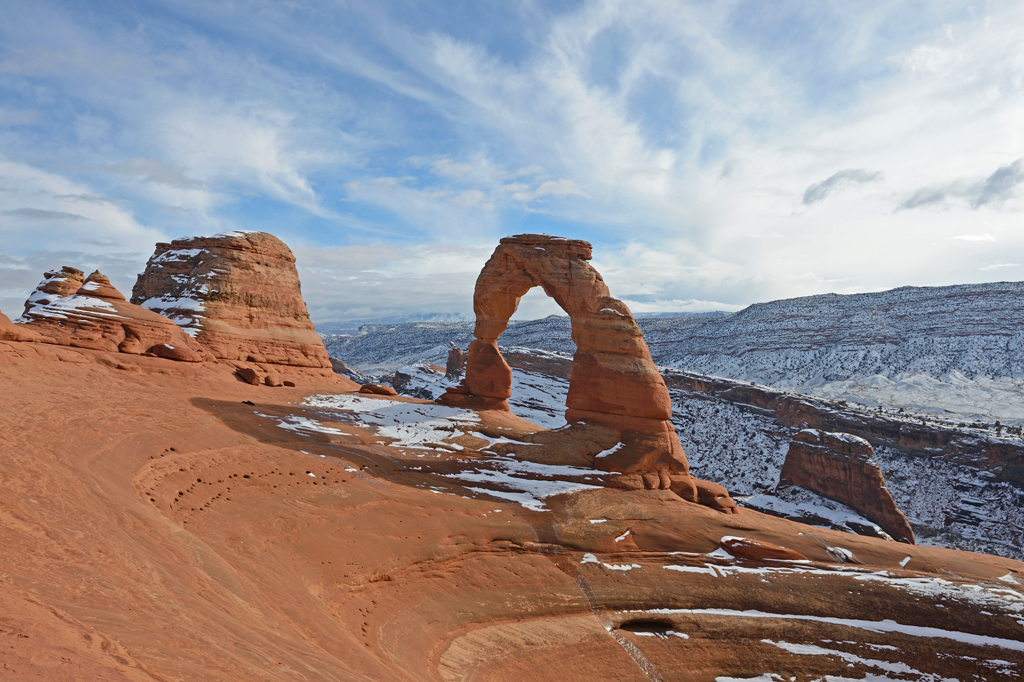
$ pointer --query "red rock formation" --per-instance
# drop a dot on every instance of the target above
(377, 389)
(165, 528)
(842, 468)
(99, 318)
(456, 364)
(248, 375)
(715, 496)
(754, 549)
(238, 294)
(15, 332)
(56, 284)
(615, 385)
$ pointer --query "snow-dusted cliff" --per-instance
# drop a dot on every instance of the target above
(955, 351)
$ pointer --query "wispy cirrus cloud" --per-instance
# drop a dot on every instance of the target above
(41, 214)
(995, 190)
(717, 152)
(998, 266)
(851, 176)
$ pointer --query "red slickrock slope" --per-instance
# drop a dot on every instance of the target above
(842, 468)
(238, 294)
(618, 406)
(179, 524)
(97, 316)
(15, 332)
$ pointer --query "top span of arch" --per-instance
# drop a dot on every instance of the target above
(557, 265)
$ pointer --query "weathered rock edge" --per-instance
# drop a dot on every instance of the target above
(841, 467)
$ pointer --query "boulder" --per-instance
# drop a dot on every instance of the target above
(377, 389)
(756, 549)
(170, 352)
(615, 384)
(238, 293)
(286, 382)
(841, 467)
(715, 496)
(273, 379)
(341, 367)
(98, 317)
(248, 375)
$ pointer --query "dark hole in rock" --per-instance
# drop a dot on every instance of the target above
(660, 627)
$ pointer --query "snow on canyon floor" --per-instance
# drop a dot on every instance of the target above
(432, 429)
(948, 504)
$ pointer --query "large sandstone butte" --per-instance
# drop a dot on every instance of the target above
(842, 468)
(618, 406)
(67, 311)
(238, 294)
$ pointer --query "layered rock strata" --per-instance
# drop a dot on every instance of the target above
(238, 294)
(618, 406)
(56, 284)
(97, 316)
(842, 468)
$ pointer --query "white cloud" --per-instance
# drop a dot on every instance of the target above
(999, 266)
(358, 282)
(49, 221)
(695, 151)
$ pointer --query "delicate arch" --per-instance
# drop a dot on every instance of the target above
(614, 383)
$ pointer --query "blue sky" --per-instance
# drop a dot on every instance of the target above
(716, 153)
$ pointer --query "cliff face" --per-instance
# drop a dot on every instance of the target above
(974, 446)
(236, 293)
(842, 468)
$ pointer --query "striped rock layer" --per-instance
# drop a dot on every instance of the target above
(238, 294)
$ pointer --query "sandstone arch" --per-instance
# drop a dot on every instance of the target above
(618, 406)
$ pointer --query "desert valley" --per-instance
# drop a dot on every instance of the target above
(196, 485)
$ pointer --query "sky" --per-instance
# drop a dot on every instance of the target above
(716, 153)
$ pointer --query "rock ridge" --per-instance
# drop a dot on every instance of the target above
(96, 316)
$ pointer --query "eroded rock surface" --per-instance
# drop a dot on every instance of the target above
(618, 406)
(842, 468)
(238, 294)
(456, 363)
(56, 284)
(98, 317)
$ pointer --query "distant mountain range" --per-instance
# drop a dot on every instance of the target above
(953, 350)
(352, 326)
